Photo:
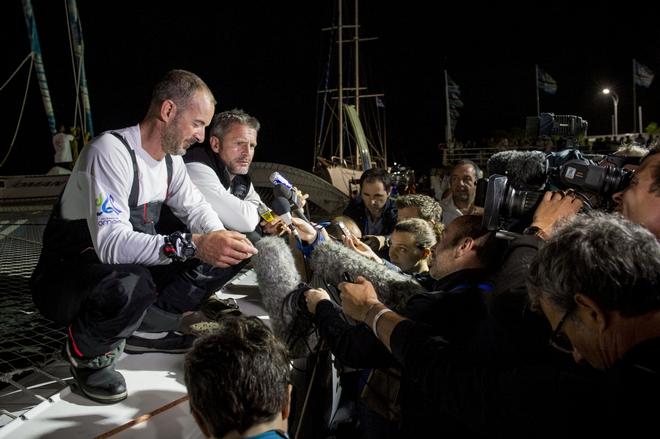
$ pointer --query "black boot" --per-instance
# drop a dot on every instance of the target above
(96, 377)
(104, 385)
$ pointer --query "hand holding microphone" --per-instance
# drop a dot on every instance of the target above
(314, 296)
(271, 224)
(358, 298)
(282, 208)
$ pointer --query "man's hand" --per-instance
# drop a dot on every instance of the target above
(357, 298)
(302, 198)
(314, 296)
(306, 231)
(555, 206)
(223, 248)
(274, 228)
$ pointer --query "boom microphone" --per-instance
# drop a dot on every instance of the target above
(526, 170)
(289, 192)
(278, 278)
(330, 260)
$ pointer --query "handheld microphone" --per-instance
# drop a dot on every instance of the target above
(283, 209)
(288, 191)
(277, 278)
(334, 263)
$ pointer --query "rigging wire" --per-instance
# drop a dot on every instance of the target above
(320, 142)
(30, 56)
(20, 115)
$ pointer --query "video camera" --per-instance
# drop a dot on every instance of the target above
(567, 128)
(518, 181)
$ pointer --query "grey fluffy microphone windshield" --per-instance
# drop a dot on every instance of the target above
(277, 277)
(330, 260)
(526, 170)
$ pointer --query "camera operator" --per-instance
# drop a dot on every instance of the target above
(462, 263)
(640, 201)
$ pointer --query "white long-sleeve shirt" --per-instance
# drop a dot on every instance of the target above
(235, 214)
(99, 188)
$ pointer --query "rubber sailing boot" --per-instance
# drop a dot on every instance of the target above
(96, 377)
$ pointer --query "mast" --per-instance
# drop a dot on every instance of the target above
(634, 88)
(357, 59)
(338, 134)
(79, 73)
(340, 112)
(31, 24)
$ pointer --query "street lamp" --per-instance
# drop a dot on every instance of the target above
(615, 99)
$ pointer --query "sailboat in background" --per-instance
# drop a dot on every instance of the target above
(82, 115)
(48, 187)
(344, 148)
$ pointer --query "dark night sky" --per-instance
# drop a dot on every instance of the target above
(264, 57)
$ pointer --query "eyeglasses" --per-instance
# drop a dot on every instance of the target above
(558, 339)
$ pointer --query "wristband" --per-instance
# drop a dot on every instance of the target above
(374, 325)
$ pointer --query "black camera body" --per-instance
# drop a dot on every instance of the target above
(506, 204)
(565, 127)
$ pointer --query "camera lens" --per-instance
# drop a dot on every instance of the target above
(520, 203)
(615, 180)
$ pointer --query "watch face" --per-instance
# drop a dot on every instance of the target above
(188, 251)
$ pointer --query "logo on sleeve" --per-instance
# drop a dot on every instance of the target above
(106, 205)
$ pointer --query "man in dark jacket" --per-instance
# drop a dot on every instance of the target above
(462, 263)
(220, 169)
(373, 211)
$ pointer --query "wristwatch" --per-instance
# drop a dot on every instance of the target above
(536, 231)
(179, 246)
